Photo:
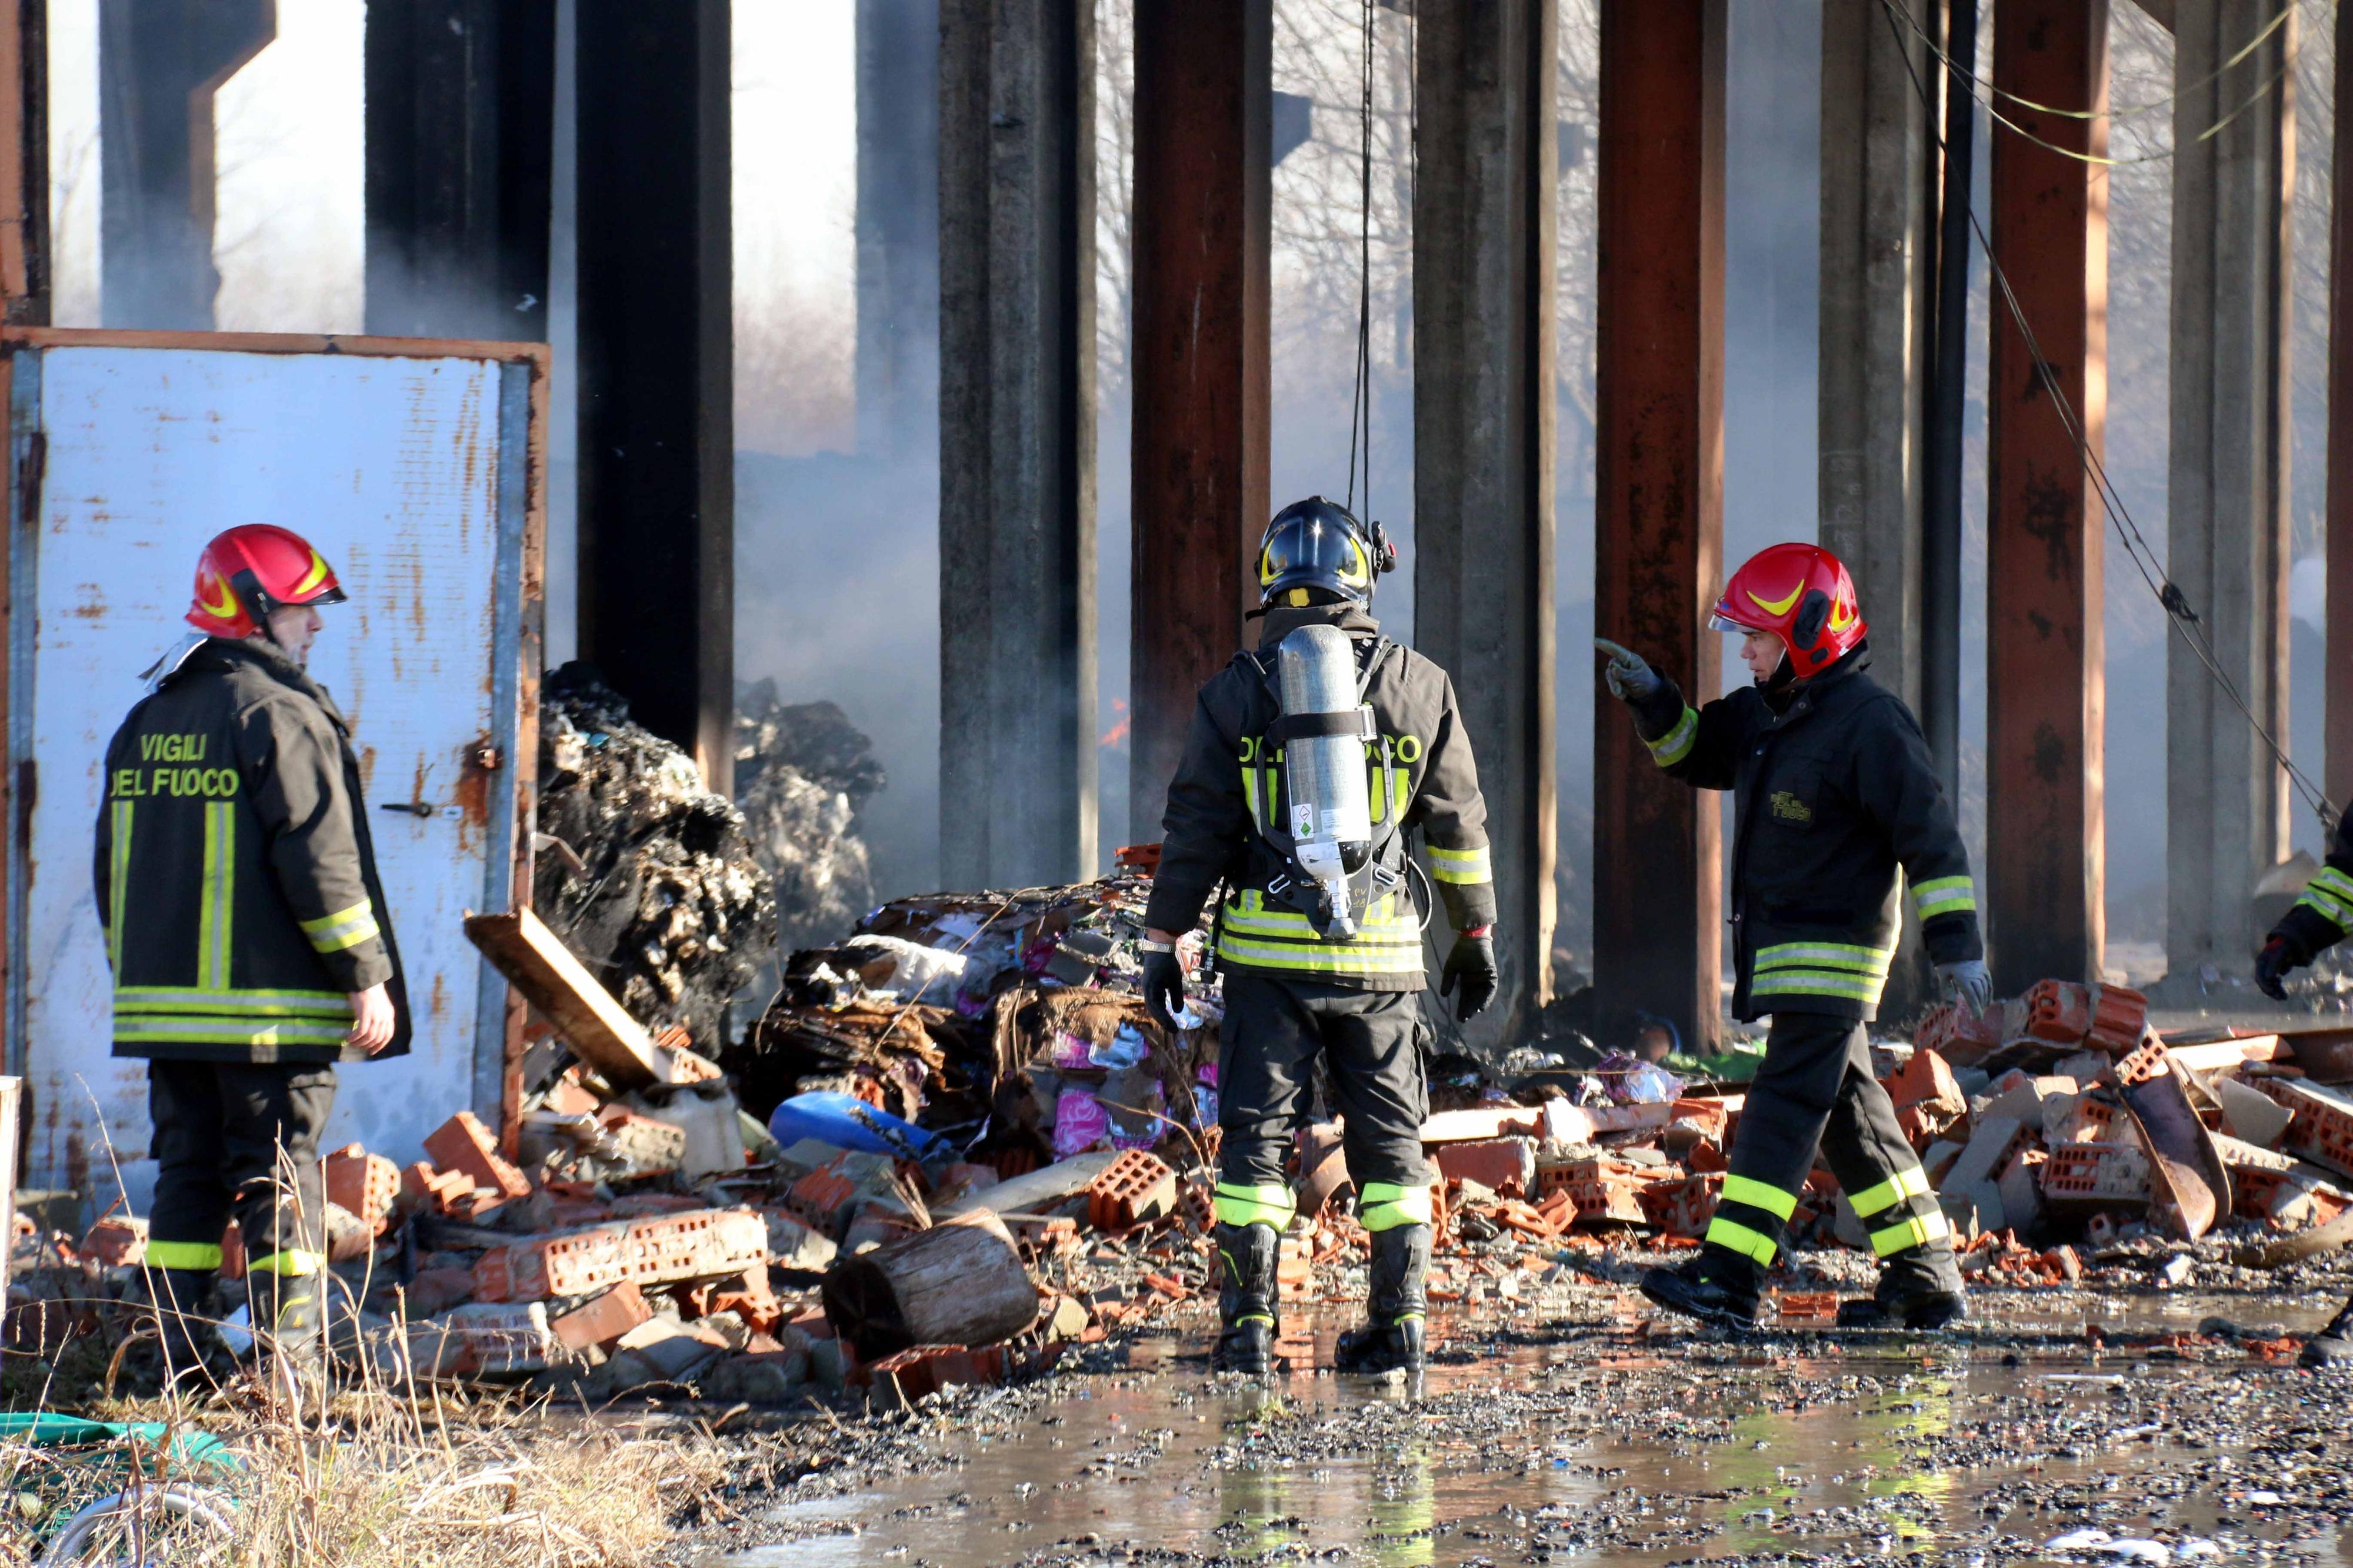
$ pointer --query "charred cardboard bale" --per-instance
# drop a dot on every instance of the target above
(671, 909)
(886, 1055)
(803, 774)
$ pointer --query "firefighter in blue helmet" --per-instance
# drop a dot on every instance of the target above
(1310, 761)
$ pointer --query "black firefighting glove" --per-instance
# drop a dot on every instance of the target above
(1472, 967)
(1629, 677)
(1164, 989)
(1968, 981)
(2279, 958)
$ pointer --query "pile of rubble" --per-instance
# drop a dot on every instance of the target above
(956, 1142)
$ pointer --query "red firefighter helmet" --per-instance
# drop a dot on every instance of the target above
(1802, 594)
(252, 569)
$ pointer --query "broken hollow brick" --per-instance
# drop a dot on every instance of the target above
(603, 1320)
(463, 1143)
(1503, 1166)
(1135, 1188)
(2059, 1011)
(364, 1185)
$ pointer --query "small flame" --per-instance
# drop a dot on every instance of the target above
(1117, 734)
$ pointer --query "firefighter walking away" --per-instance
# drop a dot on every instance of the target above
(1311, 761)
(1836, 806)
(246, 931)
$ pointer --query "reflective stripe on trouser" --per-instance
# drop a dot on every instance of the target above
(1267, 1203)
(1275, 1030)
(1814, 1091)
(190, 1255)
(1385, 1205)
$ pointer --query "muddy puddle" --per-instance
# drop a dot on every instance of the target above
(1578, 1437)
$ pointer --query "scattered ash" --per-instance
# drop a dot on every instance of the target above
(670, 906)
(803, 774)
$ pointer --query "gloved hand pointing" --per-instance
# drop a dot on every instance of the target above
(1969, 982)
(1629, 677)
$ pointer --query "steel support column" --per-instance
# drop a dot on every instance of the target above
(1483, 412)
(1016, 442)
(25, 163)
(657, 367)
(898, 226)
(2045, 686)
(160, 62)
(1199, 439)
(2338, 680)
(2226, 471)
(1878, 323)
(1658, 891)
(1878, 281)
(460, 135)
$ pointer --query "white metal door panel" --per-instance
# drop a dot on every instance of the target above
(392, 467)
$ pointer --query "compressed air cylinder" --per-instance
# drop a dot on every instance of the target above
(1330, 815)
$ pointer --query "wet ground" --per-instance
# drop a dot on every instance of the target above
(1578, 1431)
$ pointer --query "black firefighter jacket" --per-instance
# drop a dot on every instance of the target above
(236, 879)
(1229, 781)
(1833, 792)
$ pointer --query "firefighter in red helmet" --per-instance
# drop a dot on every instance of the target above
(1837, 806)
(248, 935)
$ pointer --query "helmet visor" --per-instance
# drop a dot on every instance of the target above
(1720, 622)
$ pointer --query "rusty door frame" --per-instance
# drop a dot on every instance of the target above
(518, 618)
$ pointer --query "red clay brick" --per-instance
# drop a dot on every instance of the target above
(463, 1143)
(602, 1321)
(1503, 1165)
(1135, 1188)
(364, 1185)
(116, 1241)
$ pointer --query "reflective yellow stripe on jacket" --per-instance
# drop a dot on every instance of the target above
(1841, 969)
(1388, 940)
(2329, 895)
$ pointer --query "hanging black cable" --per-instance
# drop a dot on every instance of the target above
(1360, 401)
(2180, 614)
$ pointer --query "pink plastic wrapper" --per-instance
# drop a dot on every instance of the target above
(1080, 1123)
(1069, 1051)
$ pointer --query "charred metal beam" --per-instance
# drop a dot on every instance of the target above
(1199, 361)
(1016, 442)
(160, 62)
(1659, 527)
(657, 539)
(25, 163)
(2339, 679)
(460, 139)
(2045, 686)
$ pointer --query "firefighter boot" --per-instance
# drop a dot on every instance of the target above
(2332, 1346)
(1719, 1287)
(296, 1305)
(1393, 1337)
(1246, 1299)
(183, 1297)
(1918, 1288)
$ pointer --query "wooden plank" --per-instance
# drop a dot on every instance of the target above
(536, 962)
(2221, 1054)
(1037, 1190)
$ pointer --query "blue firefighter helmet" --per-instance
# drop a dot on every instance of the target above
(1315, 552)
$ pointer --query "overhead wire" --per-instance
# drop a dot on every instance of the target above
(2180, 614)
(1360, 400)
(2099, 160)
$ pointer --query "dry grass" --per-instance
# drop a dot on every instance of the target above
(388, 1482)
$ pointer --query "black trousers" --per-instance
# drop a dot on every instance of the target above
(233, 1138)
(1815, 1090)
(1371, 1042)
